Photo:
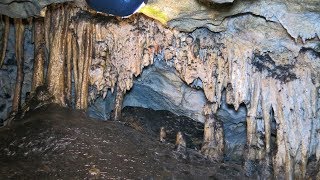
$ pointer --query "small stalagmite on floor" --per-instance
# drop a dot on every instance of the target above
(163, 134)
(181, 144)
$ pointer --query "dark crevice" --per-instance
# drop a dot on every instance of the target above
(314, 52)
(263, 62)
(273, 140)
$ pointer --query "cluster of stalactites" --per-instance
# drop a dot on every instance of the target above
(122, 53)
(19, 28)
(220, 64)
(69, 55)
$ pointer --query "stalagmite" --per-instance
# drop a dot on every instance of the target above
(39, 54)
(163, 134)
(4, 38)
(118, 104)
(213, 142)
(181, 144)
(19, 33)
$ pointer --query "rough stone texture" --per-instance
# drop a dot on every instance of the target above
(160, 88)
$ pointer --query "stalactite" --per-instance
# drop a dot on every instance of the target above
(39, 54)
(69, 57)
(19, 33)
(87, 63)
(47, 28)
(4, 38)
(75, 51)
(65, 45)
(55, 75)
(81, 63)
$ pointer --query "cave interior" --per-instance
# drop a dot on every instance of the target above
(199, 89)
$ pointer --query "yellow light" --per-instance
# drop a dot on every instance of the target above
(154, 13)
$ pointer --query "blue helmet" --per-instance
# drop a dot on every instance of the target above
(116, 7)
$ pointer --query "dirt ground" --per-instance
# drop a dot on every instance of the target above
(59, 143)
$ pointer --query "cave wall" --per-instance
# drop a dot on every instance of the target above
(262, 56)
(8, 72)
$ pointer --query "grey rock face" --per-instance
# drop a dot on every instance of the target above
(25, 8)
(234, 127)
(101, 108)
(160, 88)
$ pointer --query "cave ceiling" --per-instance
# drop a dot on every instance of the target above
(300, 19)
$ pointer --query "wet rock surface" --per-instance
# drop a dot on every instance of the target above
(55, 142)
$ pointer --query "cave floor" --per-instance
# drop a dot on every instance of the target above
(58, 143)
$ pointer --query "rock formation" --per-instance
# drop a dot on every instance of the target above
(264, 55)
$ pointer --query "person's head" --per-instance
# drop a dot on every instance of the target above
(120, 8)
